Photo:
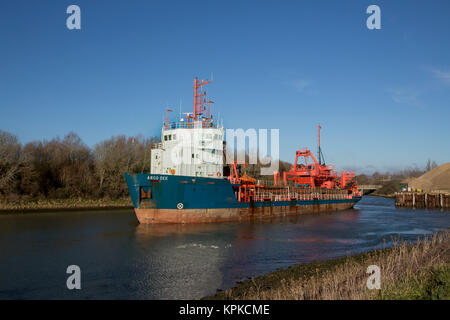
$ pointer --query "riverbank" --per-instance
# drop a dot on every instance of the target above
(418, 271)
(37, 205)
(387, 196)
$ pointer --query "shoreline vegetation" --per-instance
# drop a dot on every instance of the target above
(408, 271)
(33, 175)
(39, 205)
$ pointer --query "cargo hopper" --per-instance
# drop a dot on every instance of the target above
(187, 182)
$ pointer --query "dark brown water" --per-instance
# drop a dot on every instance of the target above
(120, 259)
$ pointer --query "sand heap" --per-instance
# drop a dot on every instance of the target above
(437, 179)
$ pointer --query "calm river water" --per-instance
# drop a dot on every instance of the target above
(120, 259)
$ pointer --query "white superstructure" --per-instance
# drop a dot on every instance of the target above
(192, 146)
(196, 152)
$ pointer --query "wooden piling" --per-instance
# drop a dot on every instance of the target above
(423, 200)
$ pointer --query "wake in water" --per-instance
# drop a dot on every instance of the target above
(201, 246)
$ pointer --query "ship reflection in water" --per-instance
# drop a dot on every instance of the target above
(176, 259)
(120, 258)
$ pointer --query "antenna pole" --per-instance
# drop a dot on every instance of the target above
(167, 118)
(319, 152)
(195, 97)
(199, 98)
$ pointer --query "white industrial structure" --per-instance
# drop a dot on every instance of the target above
(196, 152)
(192, 146)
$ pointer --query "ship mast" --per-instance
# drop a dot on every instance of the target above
(200, 102)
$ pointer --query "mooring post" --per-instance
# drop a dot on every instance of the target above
(426, 204)
(414, 199)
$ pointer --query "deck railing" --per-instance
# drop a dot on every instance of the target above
(302, 194)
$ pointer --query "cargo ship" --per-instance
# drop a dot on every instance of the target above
(187, 182)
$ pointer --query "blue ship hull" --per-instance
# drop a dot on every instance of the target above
(159, 198)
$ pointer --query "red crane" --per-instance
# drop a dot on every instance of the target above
(315, 173)
(310, 173)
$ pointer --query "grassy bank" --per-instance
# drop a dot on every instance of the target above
(419, 271)
(36, 205)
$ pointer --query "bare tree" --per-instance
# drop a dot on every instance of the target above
(115, 156)
(428, 166)
(9, 157)
(433, 165)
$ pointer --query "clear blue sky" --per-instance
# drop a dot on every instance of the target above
(382, 96)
